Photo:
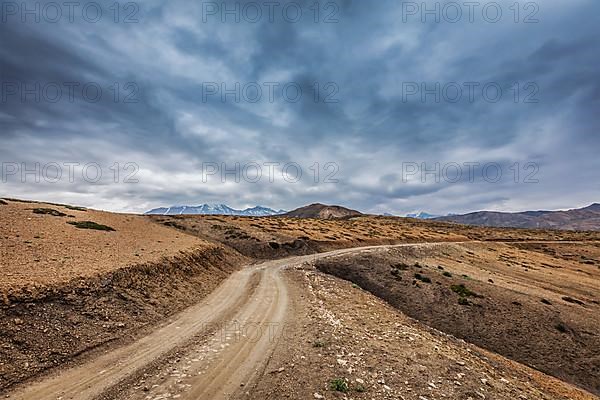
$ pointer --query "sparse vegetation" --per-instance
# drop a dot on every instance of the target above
(339, 385)
(90, 225)
(401, 266)
(318, 344)
(49, 211)
(463, 291)
(422, 278)
(447, 274)
(561, 327)
(463, 301)
(75, 208)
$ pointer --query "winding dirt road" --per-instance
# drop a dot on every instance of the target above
(213, 350)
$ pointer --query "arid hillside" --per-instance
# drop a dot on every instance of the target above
(523, 301)
(581, 219)
(149, 301)
(322, 211)
(275, 237)
(73, 280)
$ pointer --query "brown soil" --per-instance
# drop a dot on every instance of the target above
(530, 307)
(39, 249)
(70, 320)
(344, 333)
(87, 297)
(277, 237)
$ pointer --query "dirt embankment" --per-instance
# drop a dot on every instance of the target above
(351, 345)
(52, 326)
(270, 238)
(534, 309)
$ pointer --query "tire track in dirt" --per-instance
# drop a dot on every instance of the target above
(93, 378)
(206, 364)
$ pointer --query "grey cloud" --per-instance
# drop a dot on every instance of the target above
(171, 131)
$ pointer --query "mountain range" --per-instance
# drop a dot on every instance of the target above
(587, 218)
(422, 215)
(215, 209)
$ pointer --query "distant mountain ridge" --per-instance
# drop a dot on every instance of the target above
(322, 211)
(215, 209)
(585, 219)
(422, 215)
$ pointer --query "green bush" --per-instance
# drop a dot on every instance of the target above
(463, 291)
(339, 385)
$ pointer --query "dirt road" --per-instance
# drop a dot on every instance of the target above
(214, 350)
(226, 340)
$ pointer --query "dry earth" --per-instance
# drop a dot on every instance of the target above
(526, 305)
(40, 250)
(282, 330)
(68, 291)
(158, 308)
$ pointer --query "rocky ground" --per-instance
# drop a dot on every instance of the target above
(528, 306)
(346, 343)
(81, 286)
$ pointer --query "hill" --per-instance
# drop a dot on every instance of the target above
(322, 211)
(582, 219)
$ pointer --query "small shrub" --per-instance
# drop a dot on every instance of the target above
(463, 291)
(401, 266)
(75, 208)
(463, 301)
(360, 388)
(422, 278)
(318, 344)
(48, 211)
(90, 225)
(546, 302)
(339, 385)
(561, 327)
(447, 274)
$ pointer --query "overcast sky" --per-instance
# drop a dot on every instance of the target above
(367, 93)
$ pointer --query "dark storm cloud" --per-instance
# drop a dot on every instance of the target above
(371, 130)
